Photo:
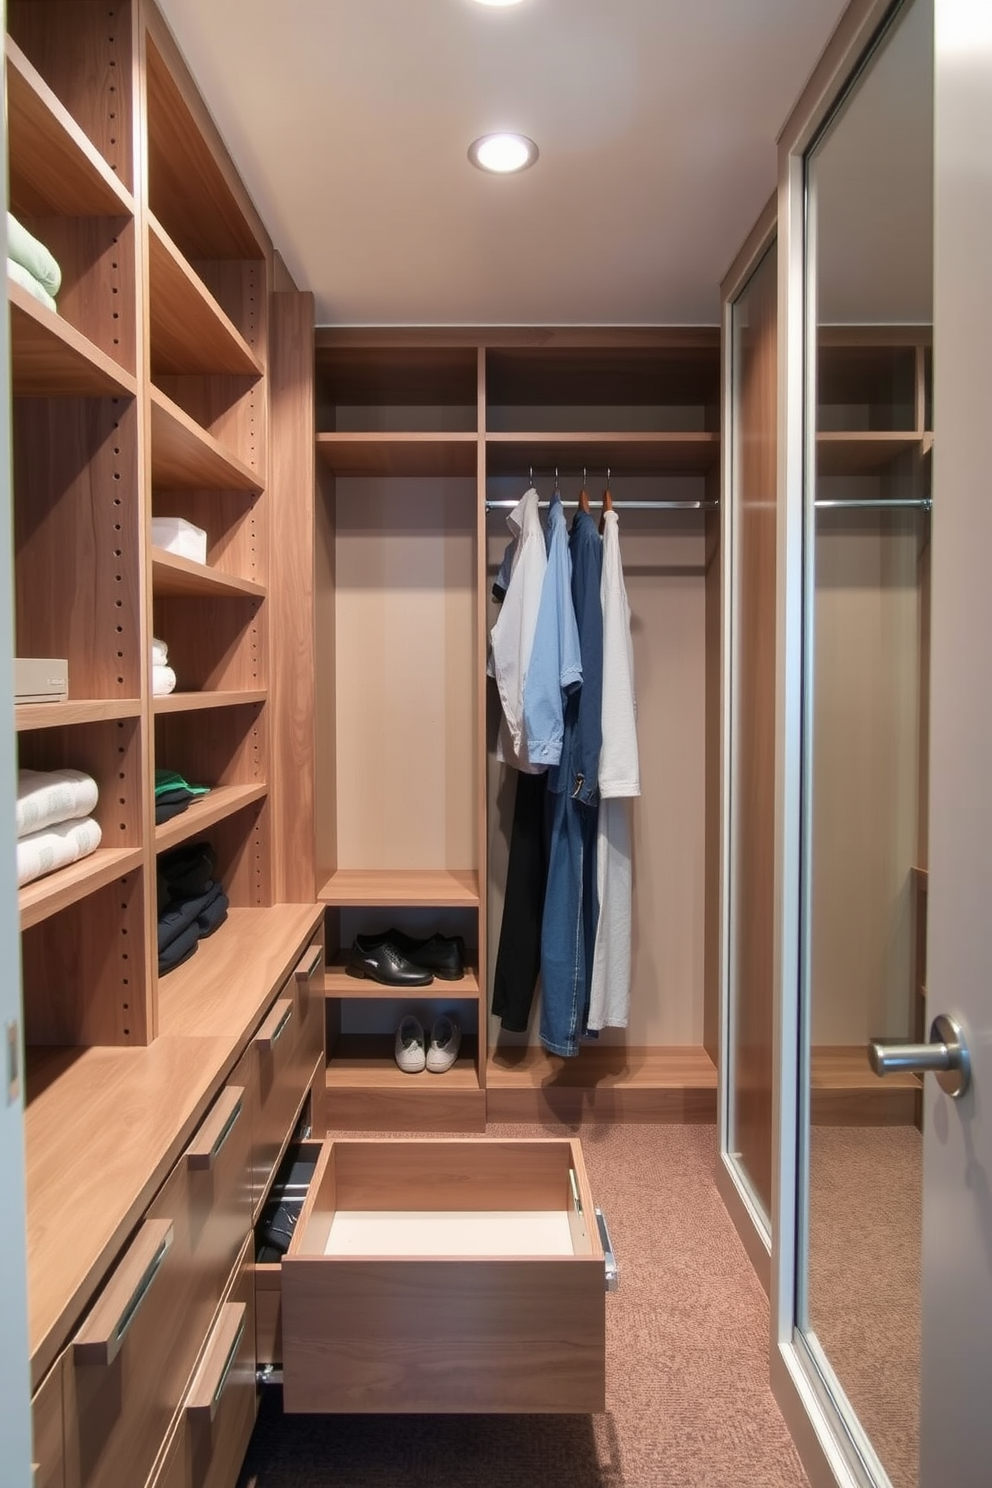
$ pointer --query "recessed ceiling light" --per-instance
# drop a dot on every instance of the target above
(497, 2)
(502, 153)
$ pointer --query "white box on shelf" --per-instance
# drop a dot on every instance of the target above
(43, 679)
(178, 536)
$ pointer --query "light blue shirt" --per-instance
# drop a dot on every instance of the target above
(556, 662)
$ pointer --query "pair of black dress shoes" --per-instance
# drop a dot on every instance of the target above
(399, 960)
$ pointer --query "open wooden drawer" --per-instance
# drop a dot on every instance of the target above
(445, 1276)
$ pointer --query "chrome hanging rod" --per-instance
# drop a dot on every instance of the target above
(622, 505)
(901, 503)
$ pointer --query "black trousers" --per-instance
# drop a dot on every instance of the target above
(518, 959)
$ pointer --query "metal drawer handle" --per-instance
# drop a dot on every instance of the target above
(202, 1156)
(204, 1398)
(282, 1012)
(304, 973)
(100, 1343)
(611, 1262)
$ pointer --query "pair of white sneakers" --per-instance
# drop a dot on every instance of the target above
(415, 1053)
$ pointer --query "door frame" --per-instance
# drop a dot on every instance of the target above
(828, 1451)
(754, 1229)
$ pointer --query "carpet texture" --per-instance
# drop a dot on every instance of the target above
(865, 1229)
(688, 1400)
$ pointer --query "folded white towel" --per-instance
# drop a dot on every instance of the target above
(163, 680)
(45, 797)
(160, 653)
(32, 255)
(27, 281)
(42, 852)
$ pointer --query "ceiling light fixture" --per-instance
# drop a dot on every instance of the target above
(502, 153)
(497, 2)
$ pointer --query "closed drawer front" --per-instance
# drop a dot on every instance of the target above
(279, 1085)
(432, 1276)
(130, 1361)
(48, 1454)
(308, 982)
(211, 1437)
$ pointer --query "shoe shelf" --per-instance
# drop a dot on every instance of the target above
(56, 715)
(187, 457)
(366, 1059)
(51, 359)
(54, 168)
(45, 897)
(385, 888)
(191, 702)
(174, 575)
(339, 983)
(190, 333)
(222, 802)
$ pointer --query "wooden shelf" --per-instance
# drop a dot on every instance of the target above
(399, 454)
(625, 454)
(54, 169)
(861, 453)
(366, 1060)
(174, 575)
(46, 896)
(605, 1081)
(398, 887)
(845, 1091)
(190, 333)
(50, 358)
(339, 983)
(194, 702)
(222, 802)
(186, 457)
(59, 715)
(221, 991)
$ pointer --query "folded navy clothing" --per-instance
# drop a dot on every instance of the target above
(178, 914)
(213, 915)
(179, 949)
(189, 869)
(166, 810)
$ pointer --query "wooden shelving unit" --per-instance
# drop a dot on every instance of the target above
(409, 888)
(199, 702)
(174, 575)
(186, 456)
(46, 896)
(205, 812)
(59, 715)
(338, 982)
(51, 359)
(189, 330)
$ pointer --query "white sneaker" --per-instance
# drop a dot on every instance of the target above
(409, 1046)
(442, 1052)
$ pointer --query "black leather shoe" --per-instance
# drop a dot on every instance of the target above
(443, 955)
(374, 956)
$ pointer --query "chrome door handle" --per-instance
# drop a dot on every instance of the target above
(946, 1055)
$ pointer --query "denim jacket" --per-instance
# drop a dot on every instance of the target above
(578, 772)
(555, 661)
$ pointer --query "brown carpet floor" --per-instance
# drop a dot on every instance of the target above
(864, 1279)
(688, 1400)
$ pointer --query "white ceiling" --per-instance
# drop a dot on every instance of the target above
(656, 120)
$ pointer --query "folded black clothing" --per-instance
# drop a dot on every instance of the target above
(179, 949)
(177, 914)
(213, 915)
(166, 810)
(189, 869)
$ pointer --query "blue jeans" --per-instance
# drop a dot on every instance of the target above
(568, 932)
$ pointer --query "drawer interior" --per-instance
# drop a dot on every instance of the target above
(407, 1198)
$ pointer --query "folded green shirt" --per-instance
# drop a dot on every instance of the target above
(170, 780)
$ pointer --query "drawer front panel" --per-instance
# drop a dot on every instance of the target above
(443, 1335)
(279, 1085)
(308, 981)
(220, 1409)
(48, 1453)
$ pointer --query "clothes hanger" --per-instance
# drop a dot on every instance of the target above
(583, 494)
(607, 501)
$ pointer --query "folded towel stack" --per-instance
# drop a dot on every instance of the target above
(54, 825)
(31, 265)
(163, 677)
(191, 902)
(173, 794)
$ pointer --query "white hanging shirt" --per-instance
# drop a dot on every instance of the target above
(512, 636)
(619, 767)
